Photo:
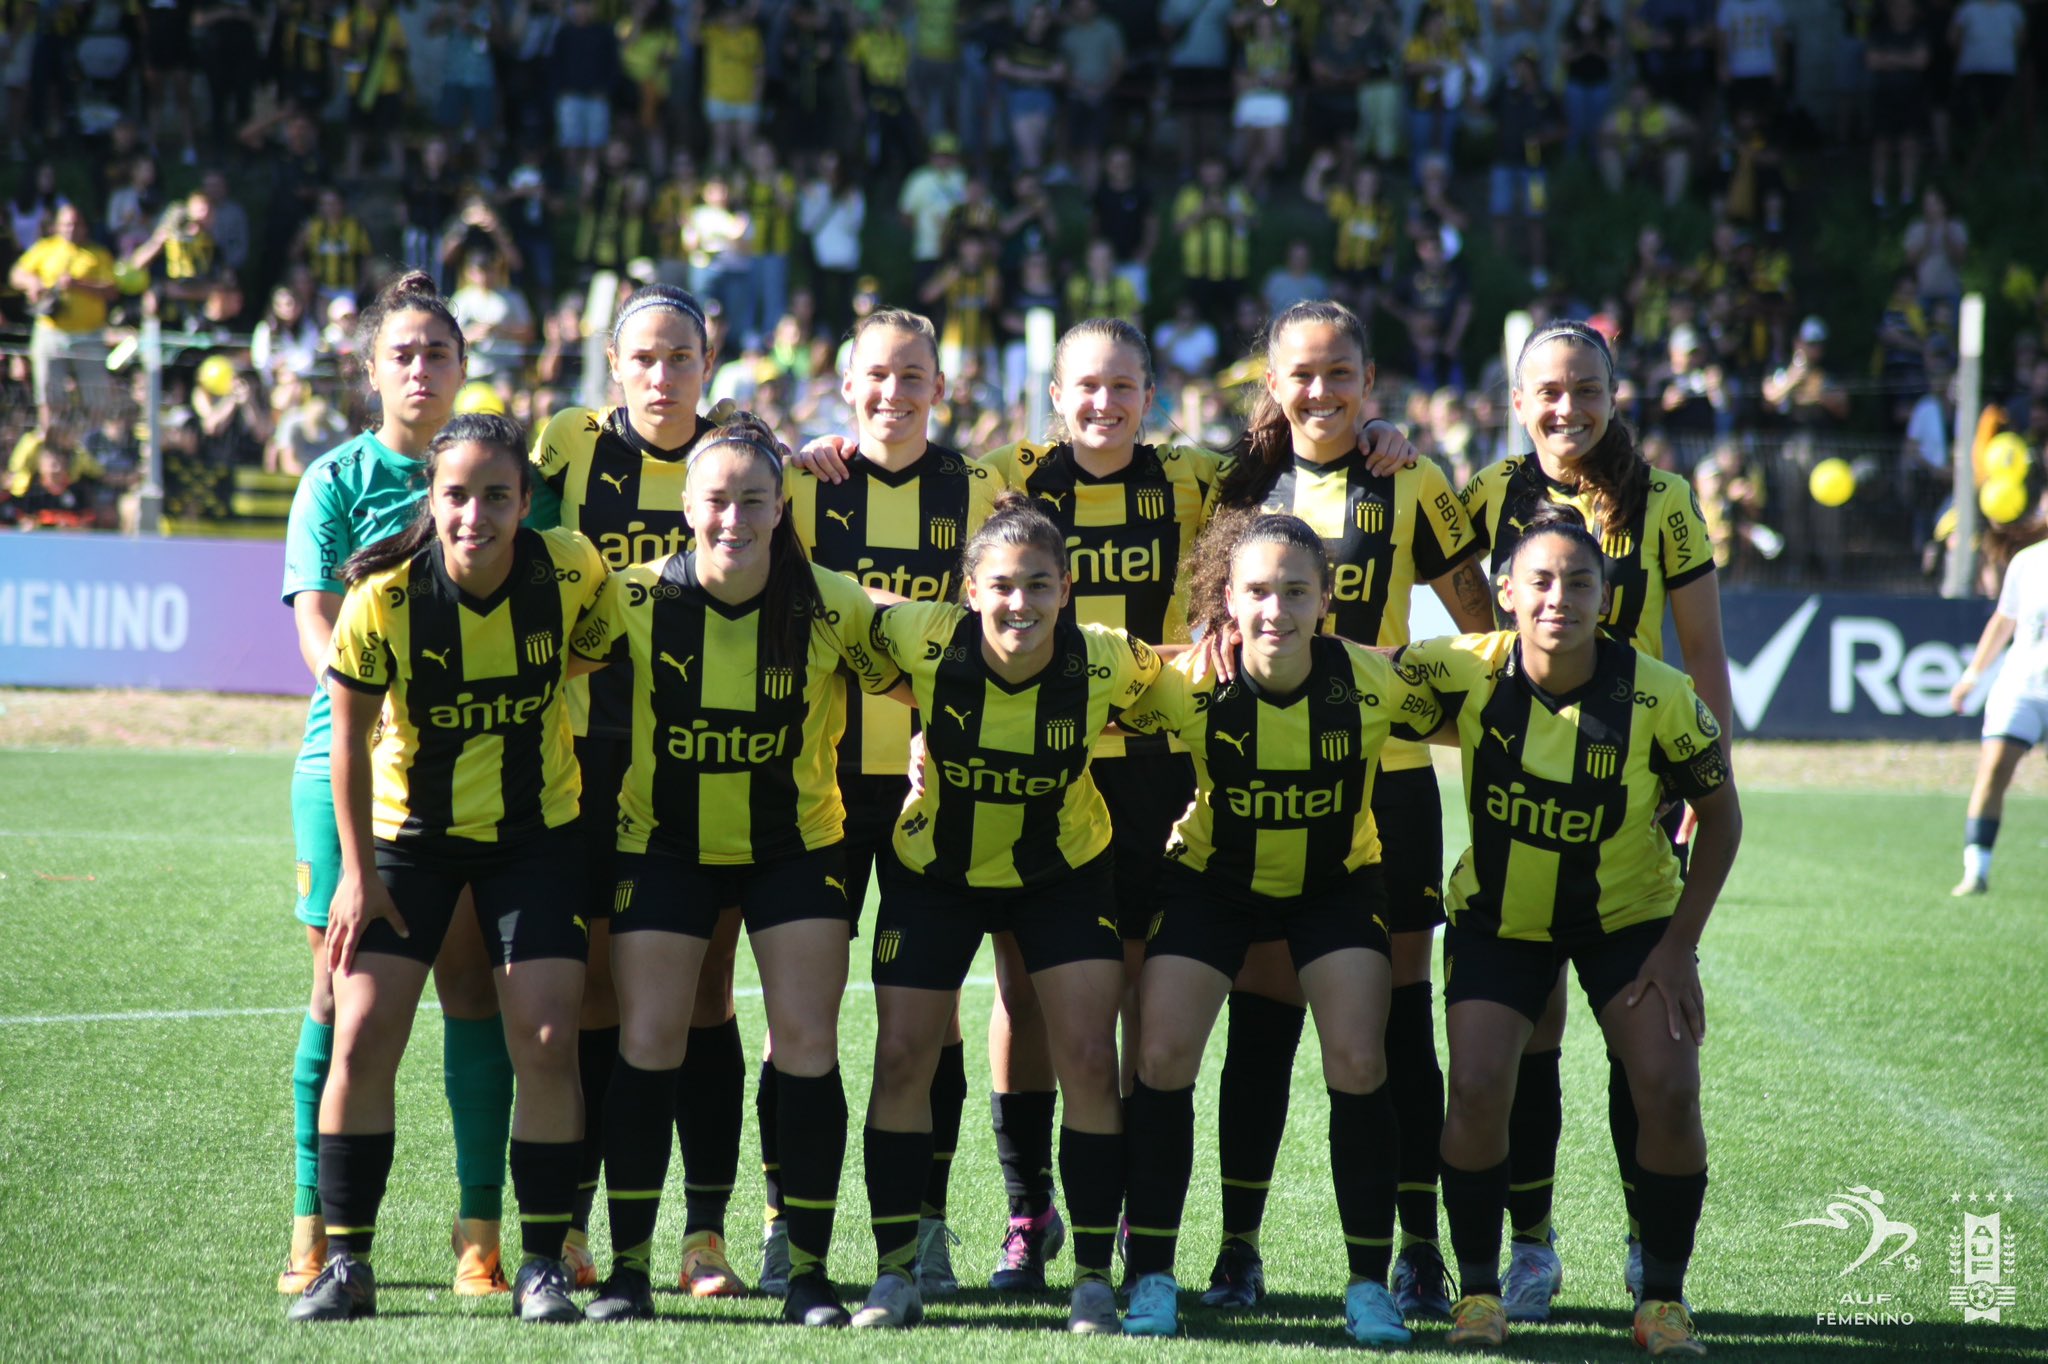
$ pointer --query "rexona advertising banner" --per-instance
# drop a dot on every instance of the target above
(81, 610)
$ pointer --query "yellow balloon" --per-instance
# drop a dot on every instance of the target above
(2005, 456)
(2003, 500)
(217, 375)
(1832, 482)
(478, 396)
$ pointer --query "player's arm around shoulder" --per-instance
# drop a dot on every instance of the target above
(1172, 702)
(914, 634)
(1452, 669)
(566, 441)
(1398, 693)
(595, 595)
(848, 615)
(1131, 664)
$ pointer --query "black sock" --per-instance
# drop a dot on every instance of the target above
(1415, 1084)
(896, 1165)
(1623, 1127)
(1092, 1171)
(639, 1108)
(1365, 1153)
(1535, 1122)
(813, 1119)
(1159, 1128)
(597, 1051)
(1473, 1203)
(767, 1120)
(1671, 1217)
(1980, 833)
(949, 1097)
(710, 1100)
(1023, 1124)
(353, 1172)
(1251, 1101)
(544, 1183)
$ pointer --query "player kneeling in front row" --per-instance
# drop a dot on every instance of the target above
(461, 631)
(1571, 741)
(1280, 844)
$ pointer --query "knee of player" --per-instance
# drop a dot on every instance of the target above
(1667, 1097)
(808, 1042)
(1478, 1091)
(904, 1061)
(1352, 1067)
(651, 1039)
(1168, 1062)
(1090, 1059)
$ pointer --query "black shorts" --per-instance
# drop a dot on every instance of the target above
(872, 804)
(1522, 974)
(660, 894)
(603, 761)
(1146, 793)
(1898, 110)
(525, 896)
(1199, 89)
(1215, 925)
(927, 932)
(1410, 816)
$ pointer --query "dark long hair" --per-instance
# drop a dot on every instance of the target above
(411, 292)
(1267, 446)
(499, 432)
(789, 602)
(1614, 471)
(1015, 521)
(1206, 569)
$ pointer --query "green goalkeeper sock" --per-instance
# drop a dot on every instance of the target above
(309, 1080)
(477, 1074)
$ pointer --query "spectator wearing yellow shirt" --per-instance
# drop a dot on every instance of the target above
(1213, 218)
(1097, 290)
(1645, 136)
(1364, 236)
(647, 52)
(370, 41)
(878, 86)
(735, 62)
(68, 282)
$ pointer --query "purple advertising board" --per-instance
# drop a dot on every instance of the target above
(176, 615)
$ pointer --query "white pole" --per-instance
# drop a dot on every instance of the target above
(149, 512)
(1041, 338)
(1960, 577)
(1514, 334)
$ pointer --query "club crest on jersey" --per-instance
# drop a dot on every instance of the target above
(944, 532)
(776, 683)
(888, 945)
(1618, 544)
(1060, 733)
(538, 648)
(1151, 503)
(1369, 514)
(1335, 745)
(1600, 761)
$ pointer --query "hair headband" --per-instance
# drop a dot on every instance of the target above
(675, 301)
(1577, 331)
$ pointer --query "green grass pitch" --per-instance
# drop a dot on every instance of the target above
(1864, 1030)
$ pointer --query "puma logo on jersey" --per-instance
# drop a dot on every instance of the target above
(1235, 741)
(1105, 923)
(1519, 524)
(960, 717)
(582, 927)
(618, 481)
(683, 668)
(1058, 500)
(440, 656)
(843, 518)
(836, 884)
(1504, 747)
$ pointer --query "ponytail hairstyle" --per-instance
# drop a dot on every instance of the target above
(1267, 445)
(896, 319)
(491, 429)
(1553, 520)
(1015, 521)
(411, 292)
(1206, 569)
(1613, 471)
(790, 602)
(665, 297)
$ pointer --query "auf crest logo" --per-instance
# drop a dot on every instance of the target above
(1866, 1205)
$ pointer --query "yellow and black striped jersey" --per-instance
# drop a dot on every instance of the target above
(597, 475)
(474, 740)
(1384, 535)
(1007, 800)
(900, 532)
(734, 760)
(1665, 547)
(1561, 792)
(1215, 242)
(770, 203)
(1126, 534)
(1366, 235)
(971, 300)
(336, 251)
(1283, 784)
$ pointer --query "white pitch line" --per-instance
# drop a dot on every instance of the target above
(186, 1015)
(281, 839)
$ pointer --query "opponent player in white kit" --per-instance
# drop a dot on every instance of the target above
(2016, 713)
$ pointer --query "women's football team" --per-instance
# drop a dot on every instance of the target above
(586, 711)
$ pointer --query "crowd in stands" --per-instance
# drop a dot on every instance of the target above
(245, 172)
